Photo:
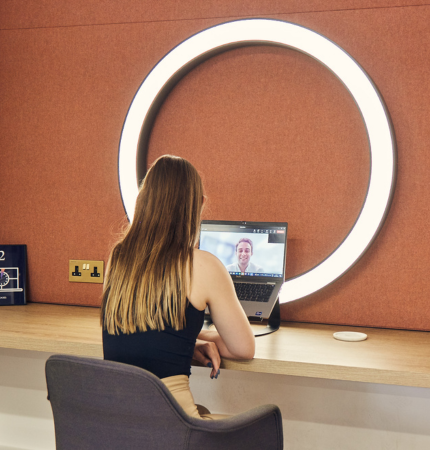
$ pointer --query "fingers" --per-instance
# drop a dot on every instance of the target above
(207, 353)
(215, 374)
(200, 357)
(211, 352)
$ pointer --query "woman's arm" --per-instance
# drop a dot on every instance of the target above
(212, 286)
(213, 336)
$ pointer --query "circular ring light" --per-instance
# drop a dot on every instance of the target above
(205, 44)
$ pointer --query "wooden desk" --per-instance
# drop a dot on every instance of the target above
(307, 350)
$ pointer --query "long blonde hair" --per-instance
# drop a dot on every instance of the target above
(150, 269)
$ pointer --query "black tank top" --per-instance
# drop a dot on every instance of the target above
(164, 353)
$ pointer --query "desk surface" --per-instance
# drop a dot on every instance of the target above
(307, 350)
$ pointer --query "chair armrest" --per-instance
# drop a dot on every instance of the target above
(255, 429)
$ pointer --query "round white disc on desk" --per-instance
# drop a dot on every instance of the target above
(350, 336)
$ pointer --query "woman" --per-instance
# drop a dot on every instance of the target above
(158, 285)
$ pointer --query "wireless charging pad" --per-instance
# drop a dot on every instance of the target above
(350, 336)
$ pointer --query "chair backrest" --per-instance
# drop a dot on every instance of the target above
(105, 405)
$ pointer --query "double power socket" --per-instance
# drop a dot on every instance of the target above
(86, 271)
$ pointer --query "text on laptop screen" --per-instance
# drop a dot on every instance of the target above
(247, 249)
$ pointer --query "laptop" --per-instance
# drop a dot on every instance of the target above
(254, 254)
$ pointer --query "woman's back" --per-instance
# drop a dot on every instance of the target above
(165, 353)
(169, 352)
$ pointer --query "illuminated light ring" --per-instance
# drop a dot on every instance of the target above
(205, 44)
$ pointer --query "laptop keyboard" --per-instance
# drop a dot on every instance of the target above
(254, 292)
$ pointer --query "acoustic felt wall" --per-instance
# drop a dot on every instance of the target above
(275, 135)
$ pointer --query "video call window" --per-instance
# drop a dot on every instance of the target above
(259, 252)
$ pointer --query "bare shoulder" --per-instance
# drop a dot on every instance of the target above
(210, 273)
(208, 265)
(209, 276)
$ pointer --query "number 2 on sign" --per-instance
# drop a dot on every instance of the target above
(2, 255)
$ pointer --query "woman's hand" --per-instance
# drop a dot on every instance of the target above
(207, 353)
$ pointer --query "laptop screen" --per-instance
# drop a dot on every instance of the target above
(254, 249)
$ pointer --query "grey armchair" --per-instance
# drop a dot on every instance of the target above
(105, 405)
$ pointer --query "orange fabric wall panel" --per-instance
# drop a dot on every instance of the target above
(275, 135)
(57, 13)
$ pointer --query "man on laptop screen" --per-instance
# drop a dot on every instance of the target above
(244, 251)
